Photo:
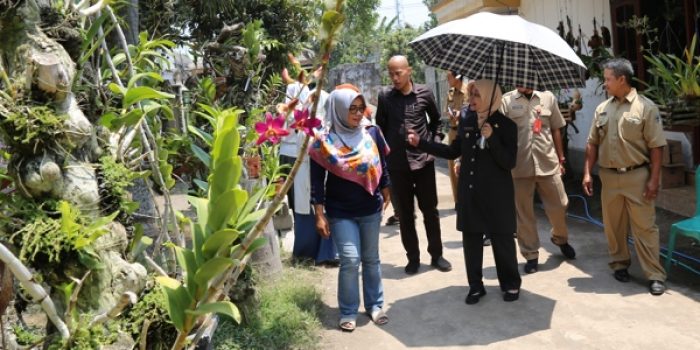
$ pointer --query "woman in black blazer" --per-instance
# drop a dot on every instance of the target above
(487, 142)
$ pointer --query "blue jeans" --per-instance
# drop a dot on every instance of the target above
(357, 240)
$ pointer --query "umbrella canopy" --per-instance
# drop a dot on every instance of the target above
(518, 52)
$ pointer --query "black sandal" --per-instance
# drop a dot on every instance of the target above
(510, 296)
(474, 295)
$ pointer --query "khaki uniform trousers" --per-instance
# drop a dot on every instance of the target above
(551, 191)
(454, 179)
(625, 208)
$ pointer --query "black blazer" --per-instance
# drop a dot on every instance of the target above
(485, 189)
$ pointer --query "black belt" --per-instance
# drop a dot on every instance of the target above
(629, 168)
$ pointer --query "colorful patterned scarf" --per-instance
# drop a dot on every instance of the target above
(347, 152)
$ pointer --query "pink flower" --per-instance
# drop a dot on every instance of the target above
(272, 129)
(302, 122)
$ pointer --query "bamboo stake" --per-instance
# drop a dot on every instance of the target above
(34, 289)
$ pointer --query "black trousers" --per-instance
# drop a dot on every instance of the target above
(503, 245)
(405, 185)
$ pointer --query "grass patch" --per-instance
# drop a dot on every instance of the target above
(288, 316)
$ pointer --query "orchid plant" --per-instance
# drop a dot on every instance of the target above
(228, 228)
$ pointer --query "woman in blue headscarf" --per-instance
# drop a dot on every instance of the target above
(349, 192)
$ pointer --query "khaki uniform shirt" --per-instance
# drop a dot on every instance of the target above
(537, 155)
(456, 99)
(625, 131)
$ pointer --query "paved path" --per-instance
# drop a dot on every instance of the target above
(567, 305)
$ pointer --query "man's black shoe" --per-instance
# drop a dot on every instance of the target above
(392, 220)
(568, 251)
(412, 267)
(657, 287)
(622, 275)
(441, 264)
(531, 266)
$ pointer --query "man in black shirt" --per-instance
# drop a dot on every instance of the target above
(412, 172)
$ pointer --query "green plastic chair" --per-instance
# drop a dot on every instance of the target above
(688, 227)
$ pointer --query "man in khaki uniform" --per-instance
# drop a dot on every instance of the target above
(538, 167)
(456, 99)
(626, 139)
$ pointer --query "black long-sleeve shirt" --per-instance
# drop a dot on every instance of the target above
(486, 192)
(396, 113)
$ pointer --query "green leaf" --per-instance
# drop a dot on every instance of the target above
(94, 45)
(89, 258)
(137, 94)
(203, 185)
(220, 239)
(116, 89)
(208, 88)
(225, 177)
(203, 135)
(177, 299)
(226, 138)
(225, 207)
(257, 243)
(151, 75)
(188, 263)
(167, 112)
(220, 307)
(198, 239)
(107, 119)
(129, 119)
(201, 207)
(253, 217)
(201, 154)
(140, 242)
(331, 21)
(130, 207)
(92, 32)
(251, 204)
(102, 221)
(212, 114)
(212, 268)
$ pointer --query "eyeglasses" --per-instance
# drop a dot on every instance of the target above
(355, 109)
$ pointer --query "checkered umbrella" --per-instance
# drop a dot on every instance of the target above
(505, 48)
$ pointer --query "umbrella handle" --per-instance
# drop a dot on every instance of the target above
(498, 72)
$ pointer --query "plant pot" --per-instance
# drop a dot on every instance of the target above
(253, 166)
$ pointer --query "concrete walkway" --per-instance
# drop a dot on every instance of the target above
(566, 305)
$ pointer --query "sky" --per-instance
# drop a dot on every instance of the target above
(412, 12)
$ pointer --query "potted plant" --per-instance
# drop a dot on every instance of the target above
(675, 87)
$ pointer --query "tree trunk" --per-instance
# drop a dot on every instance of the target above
(40, 74)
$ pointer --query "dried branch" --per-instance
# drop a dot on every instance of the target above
(126, 299)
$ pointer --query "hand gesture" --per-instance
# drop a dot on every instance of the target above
(454, 116)
(651, 190)
(322, 226)
(587, 184)
(386, 196)
(486, 130)
(412, 137)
